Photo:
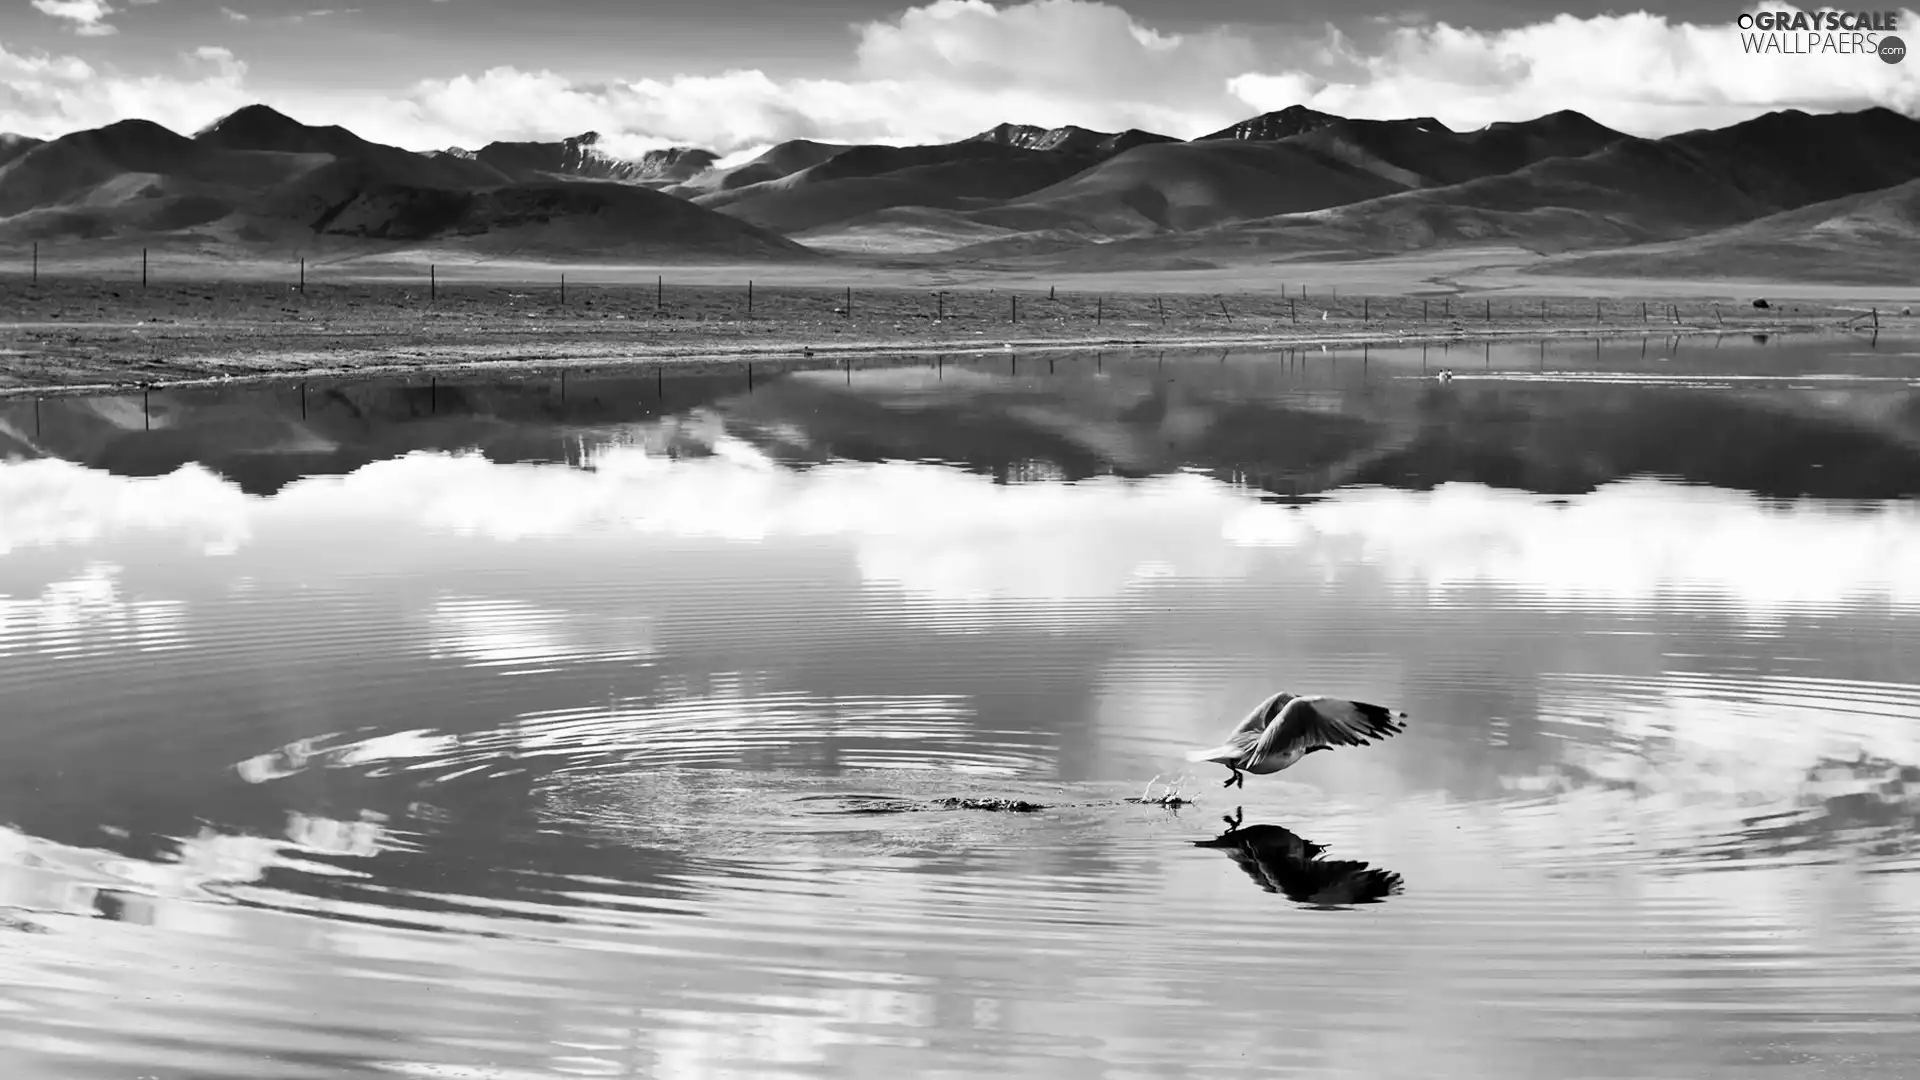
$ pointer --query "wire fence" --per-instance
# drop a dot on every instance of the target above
(450, 292)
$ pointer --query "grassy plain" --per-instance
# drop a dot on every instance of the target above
(87, 320)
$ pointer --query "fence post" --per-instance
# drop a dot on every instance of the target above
(749, 298)
(303, 275)
(563, 290)
(849, 305)
(433, 281)
(1365, 311)
(143, 268)
(1489, 310)
(36, 262)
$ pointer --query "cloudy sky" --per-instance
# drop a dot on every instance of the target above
(736, 74)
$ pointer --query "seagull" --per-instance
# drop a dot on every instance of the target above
(1279, 861)
(1446, 376)
(1285, 728)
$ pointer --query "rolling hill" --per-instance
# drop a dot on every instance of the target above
(1424, 152)
(349, 199)
(1071, 139)
(1639, 190)
(1183, 186)
(1866, 239)
(978, 173)
(581, 156)
(133, 176)
(1290, 161)
(854, 185)
(258, 177)
(1630, 191)
(783, 159)
(12, 146)
(1292, 181)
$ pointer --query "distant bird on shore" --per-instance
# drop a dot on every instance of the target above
(1285, 728)
(1445, 376)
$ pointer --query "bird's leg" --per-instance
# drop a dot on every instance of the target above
(1147, 792)
(1233, 775)
(1233, 820)
(1239, 779)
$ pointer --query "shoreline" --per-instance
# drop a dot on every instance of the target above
(628, 356)
(72, 336)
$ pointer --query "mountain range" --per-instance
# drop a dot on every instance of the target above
(1789, 187)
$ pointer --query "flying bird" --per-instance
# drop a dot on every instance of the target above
(1285, 728)
(1280, 861)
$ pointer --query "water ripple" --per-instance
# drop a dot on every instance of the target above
(501, 732)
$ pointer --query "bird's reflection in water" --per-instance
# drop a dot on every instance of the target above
(1280, 861)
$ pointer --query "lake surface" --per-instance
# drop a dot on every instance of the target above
(512, 726)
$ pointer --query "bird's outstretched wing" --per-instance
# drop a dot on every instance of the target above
(1331, 883)
(1262, 715)
(1279, 861)
(1323, 721)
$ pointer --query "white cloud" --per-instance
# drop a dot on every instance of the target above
(1074, 48)
(1637, 72)
(1029, 550)
(1628, 544)
(939, 72)
(953, 67)
(49, 96)
(949, 68)
(88, 16)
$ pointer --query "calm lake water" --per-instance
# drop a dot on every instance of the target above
(501, 727)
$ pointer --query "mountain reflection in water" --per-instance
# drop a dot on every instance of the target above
(481, 727)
